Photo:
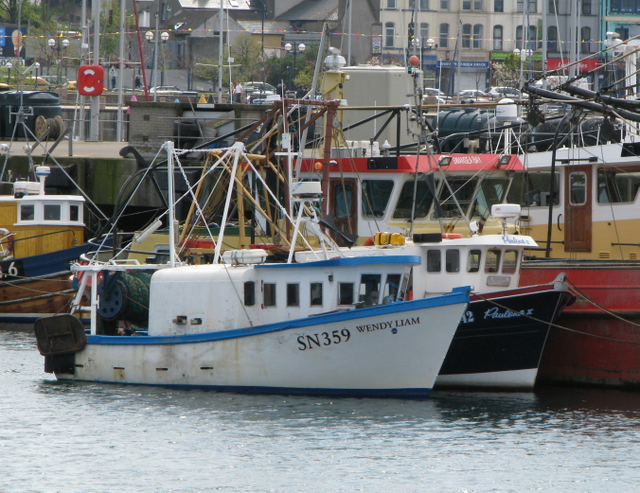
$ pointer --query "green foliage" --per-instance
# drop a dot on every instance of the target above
(507, 73)
(279, 68)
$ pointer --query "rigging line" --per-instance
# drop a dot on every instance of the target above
(558, 326)
(606, 310)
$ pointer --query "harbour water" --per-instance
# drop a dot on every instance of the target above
(58, 437)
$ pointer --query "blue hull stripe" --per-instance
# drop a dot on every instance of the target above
(458, 296)
(346, 261)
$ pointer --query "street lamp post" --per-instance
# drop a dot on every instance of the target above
(164, 37)
(62, 44)
(295, 49)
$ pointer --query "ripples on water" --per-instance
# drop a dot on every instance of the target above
(99, 438)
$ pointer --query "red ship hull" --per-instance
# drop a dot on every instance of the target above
(599, 342)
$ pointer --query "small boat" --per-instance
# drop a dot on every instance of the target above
(327, 325)
(40, 236)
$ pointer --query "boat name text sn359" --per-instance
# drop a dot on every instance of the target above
(334, 337)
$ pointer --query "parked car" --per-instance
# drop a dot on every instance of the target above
(54, 80)
(473, 95)
(505, 92)
(268, 99)
(165, 90)
(441, 97)
(38, 83)
(255, 90)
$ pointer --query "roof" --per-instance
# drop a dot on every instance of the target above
(312, 10)
(189, 19)
(215, 4)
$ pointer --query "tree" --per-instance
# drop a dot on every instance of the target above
(246, 52)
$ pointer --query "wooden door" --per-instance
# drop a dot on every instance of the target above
(577, 209)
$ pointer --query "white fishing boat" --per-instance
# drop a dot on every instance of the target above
(329, 324)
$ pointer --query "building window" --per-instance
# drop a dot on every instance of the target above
(532, 4)
(293, 294)
(477, 36)
(316, 294)
(269, 294)
(444, 4)
(498, 5)
(586, 7)
(497, 37)
(389, 34)
(444, 35)
(424, 33)
(585, 40)
(477, 5)
(552, 6)
(466, 36)
(466, 4)
(345, 293)
(249, 293)
(391, 4)
(422, 5)
(552, 39)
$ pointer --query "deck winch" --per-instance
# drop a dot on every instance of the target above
(125, 296)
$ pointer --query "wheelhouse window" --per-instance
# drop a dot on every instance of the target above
(343, 195)
(434, 261)
(52, 212)
(510, 262)
(391, 290)
(452, 260)
(578, 188)
(532, 189)
(475, 257)
(617, 186)
(74, 213)
(249, 293)
(269, 294)
(316, 294)
(463, 190)
(369, 292)
(491, 191)
(293, 294)
(345, 293)
(406, 203)
(493, 261)
(27, 212)
(375, 197)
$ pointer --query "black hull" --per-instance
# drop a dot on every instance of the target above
(501, 333)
